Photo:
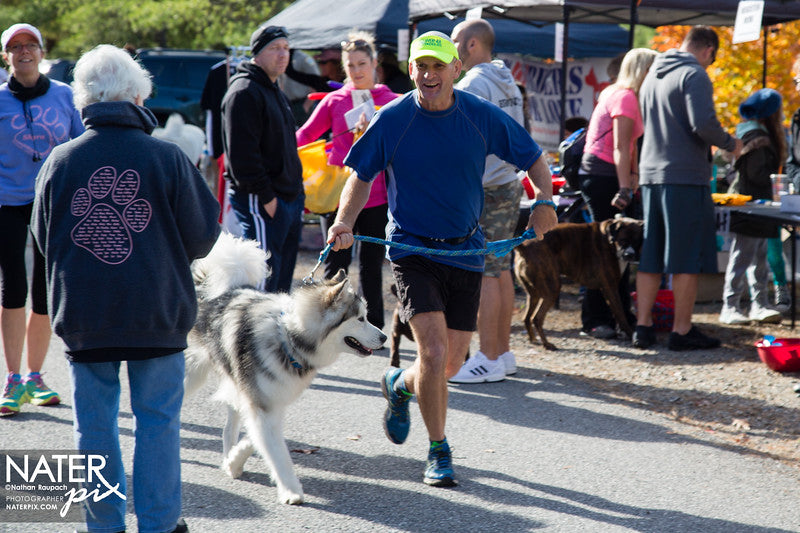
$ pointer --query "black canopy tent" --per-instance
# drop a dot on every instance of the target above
(652, 13)
(648, 12)
(313, 24)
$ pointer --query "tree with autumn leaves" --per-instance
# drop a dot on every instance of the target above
(738, 69)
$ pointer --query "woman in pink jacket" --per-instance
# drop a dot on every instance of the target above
(359, 60)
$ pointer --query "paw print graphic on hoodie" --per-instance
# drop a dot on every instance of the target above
(38, 130)
(109, 211)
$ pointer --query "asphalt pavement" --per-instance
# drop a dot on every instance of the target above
(536, 452)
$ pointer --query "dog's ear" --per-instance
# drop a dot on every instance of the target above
(337, 289)
(340, 276)
(610, 228)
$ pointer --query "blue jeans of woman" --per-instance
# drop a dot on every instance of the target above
(156, 391)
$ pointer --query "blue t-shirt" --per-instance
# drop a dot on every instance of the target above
(434, 163)
(29, 132)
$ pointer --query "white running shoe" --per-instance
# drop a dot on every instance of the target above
(764, 315)
(479, 369)
(509, 362)
(732, 316)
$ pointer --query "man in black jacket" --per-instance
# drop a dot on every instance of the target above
(261, 158)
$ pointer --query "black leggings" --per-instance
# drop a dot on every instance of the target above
(14, 221)
(372, 223)
(597, 192)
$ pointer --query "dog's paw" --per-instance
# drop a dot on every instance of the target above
(291, 497)
(233, 468)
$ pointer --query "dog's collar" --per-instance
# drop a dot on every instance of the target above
(288, 351)
(292, 361)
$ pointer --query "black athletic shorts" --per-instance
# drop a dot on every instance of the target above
(424, 286)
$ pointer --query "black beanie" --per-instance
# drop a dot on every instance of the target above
(265, 35)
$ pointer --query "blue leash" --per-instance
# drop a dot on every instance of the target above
(498, 248)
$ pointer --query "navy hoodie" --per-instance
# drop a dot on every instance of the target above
(119, 216)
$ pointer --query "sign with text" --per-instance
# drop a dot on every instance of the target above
(586, 78)
(748, 21)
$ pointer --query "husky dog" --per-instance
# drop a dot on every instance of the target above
(267, 348)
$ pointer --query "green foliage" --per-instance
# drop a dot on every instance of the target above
(71, 27)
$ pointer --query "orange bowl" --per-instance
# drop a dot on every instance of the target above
(784, 358)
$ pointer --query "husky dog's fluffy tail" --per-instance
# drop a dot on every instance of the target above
(232, 263)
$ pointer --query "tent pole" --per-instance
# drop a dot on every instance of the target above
(564, 58)
(764, 58)
(634, 19)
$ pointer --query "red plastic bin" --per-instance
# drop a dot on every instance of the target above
(663, 309)
(784, 358)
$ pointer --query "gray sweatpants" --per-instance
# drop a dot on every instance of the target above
(747, 268)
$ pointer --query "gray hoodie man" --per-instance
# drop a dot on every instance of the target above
(495, 82)
(680, 126)
(680, 123)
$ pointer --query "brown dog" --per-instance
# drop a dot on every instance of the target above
(588, 254)
(401, 329)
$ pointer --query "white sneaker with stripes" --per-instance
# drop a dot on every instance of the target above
(479, 369)
(509, 362)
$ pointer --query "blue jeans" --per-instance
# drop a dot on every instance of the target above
(156, 387)
(278, 235)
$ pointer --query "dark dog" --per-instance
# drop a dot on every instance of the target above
(588, 254)
(399, 329)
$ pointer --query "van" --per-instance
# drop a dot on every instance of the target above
(178, 80)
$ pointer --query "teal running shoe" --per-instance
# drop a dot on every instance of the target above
(15, 394)
(439, 468)
(39, 393)
(396, 421)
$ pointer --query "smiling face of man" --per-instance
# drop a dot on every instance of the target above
(434, 80)
(434, 67)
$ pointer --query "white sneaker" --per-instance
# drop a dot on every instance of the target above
(479, 369)
(732, 316)
(764, 315)
(509, 362)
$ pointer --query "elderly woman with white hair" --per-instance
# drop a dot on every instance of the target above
(119, 216)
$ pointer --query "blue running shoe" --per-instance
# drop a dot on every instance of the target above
(396, 421)
(439, 468)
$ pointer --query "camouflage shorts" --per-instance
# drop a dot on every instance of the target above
(498, 220)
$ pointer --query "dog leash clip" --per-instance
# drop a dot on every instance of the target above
(309, 280)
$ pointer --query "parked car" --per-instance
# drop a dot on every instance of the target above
(178, 80)
(57, 69)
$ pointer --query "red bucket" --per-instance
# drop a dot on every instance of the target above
(663, 309)
(781, 355)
